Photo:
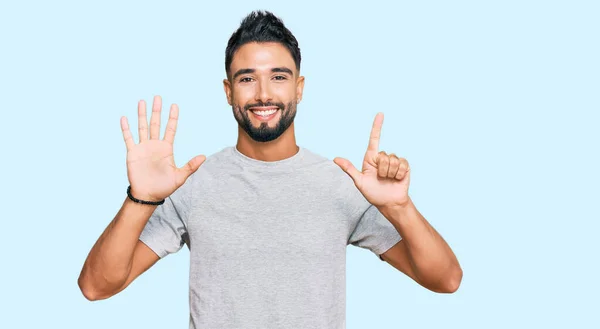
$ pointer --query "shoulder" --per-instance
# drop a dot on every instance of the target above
(213, 161)
(338, 186)
(323, 164)
(327, 165)
(332, 174)
(219, 157)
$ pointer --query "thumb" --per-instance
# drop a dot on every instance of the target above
(184, 172)
(348, 168)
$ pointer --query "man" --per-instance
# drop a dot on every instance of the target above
(267, 222)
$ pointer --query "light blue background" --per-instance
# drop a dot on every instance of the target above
(494, 104)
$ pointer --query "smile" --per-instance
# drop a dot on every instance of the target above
(264, 113)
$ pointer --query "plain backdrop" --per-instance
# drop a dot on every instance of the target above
(494, 104)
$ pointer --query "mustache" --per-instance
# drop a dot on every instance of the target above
(247, 107)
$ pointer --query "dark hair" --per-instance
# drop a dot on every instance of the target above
(261, 26)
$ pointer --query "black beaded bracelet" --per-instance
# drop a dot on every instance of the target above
(154, 203)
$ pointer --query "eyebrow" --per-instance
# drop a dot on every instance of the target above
(275, 69)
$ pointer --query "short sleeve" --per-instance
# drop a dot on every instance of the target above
(165, 232)
(374, 232)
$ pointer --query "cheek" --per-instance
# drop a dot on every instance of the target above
(284, 93)
(241, 97)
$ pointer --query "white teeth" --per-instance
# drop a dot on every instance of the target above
(265, 113)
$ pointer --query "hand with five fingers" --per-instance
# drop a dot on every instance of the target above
(151, 168)
(384, 178)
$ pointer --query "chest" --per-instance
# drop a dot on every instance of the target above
(249, 219)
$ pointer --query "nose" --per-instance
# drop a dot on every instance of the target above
(263, 94)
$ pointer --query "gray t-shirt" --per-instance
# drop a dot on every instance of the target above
(268, 240)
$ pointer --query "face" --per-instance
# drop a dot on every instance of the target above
(263, 89)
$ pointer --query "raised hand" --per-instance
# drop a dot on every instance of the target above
(384, 178)
(151, 167)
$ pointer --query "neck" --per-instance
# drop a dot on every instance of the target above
(279, 149)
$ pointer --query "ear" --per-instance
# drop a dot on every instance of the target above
(299, 88)
(227, 87)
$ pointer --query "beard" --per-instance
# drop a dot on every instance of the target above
(264, 133)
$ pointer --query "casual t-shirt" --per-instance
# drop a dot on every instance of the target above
(267, 240)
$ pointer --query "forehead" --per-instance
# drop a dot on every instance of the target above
(262, 56)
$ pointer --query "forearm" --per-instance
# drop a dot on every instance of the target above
(108, 264)
(431, 258)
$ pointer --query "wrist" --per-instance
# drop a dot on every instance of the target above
(397, 210)
(398, 206)
(134, 205)
(148, 200)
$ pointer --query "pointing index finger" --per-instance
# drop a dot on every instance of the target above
(375, 133)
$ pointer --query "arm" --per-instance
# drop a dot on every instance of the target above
(422, 254)
(118, 257)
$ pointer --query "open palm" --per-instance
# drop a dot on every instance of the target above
(151, 167)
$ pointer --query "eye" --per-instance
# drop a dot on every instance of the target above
(280, 77)
(246, 79)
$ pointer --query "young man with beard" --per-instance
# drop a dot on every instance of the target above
(267, 222)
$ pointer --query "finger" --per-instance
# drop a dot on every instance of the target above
(184, 172)
(403, 170)
(383, 164)
(394, 166)
(172, 124)
(142, 121)
(129, 143)
(155, 118)
(375, 133)
(348, 168)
